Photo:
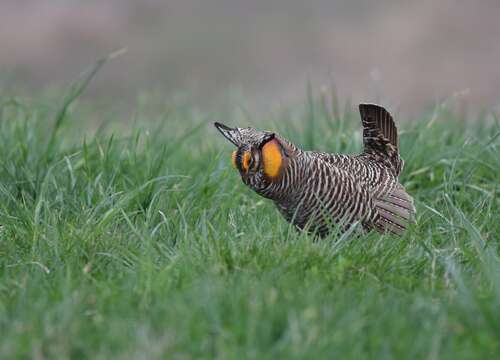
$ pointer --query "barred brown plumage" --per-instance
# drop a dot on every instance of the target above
(314, 190)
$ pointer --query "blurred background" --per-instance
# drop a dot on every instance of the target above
(407, 55)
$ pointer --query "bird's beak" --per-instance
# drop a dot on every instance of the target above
(231, 134)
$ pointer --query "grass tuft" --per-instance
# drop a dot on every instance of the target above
(145, 244)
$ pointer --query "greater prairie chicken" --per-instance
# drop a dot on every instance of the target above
(315, 190)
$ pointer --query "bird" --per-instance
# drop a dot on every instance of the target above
(319, 191)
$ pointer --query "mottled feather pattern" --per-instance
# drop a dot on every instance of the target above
(317, 189)
(380, 137)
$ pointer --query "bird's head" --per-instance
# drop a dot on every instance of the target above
(260, 155)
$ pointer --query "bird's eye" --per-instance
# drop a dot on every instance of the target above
(233, 158)
(245, 163)
(250, 162)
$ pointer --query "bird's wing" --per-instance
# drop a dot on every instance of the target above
(395, 211)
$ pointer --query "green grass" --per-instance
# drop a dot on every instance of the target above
(145, 244)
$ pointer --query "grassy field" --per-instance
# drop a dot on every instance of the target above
(145, 243)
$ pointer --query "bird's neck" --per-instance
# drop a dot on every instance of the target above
(288, 184)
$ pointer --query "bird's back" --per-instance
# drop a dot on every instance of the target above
(347, 189)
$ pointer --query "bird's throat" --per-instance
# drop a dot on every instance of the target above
(272, 159)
